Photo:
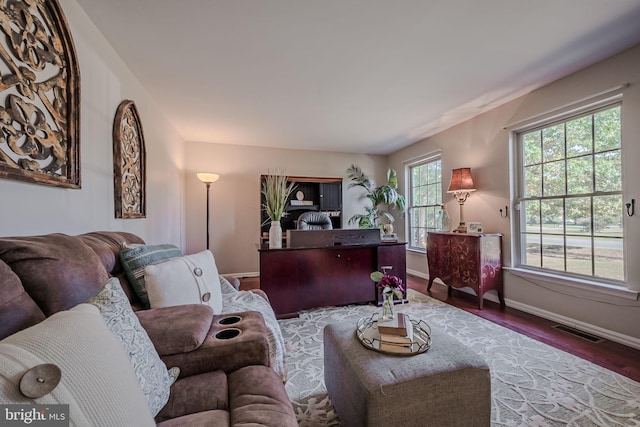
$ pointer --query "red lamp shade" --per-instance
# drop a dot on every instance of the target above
(461, 181)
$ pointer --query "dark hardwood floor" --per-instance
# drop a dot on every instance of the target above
(616, 357)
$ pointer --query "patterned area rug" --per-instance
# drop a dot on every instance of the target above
(533, 384)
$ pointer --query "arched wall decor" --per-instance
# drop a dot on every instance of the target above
(129, 163)
(39, 95)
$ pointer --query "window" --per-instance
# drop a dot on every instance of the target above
(425, 180)
(570, 193)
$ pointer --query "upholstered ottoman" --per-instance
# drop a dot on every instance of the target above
(449, 385)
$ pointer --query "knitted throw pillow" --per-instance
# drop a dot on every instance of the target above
(150, 370)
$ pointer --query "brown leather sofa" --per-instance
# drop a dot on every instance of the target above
(221, 382)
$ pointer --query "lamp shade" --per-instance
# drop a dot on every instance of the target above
(461, 181)
(207, 178)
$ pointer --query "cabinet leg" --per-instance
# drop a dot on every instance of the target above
(480, 301)
(501, 299)
(430, 283)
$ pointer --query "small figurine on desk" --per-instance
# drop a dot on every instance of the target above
(387, 233)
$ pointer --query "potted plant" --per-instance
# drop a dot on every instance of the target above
(386, 194)
(276, 190)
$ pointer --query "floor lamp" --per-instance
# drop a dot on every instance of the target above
(208, 179)
(461, 186)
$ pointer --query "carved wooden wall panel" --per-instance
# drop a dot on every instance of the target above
(39, 95)
(129, 163)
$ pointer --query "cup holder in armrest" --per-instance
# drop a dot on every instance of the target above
(227, 334)
(229, 320)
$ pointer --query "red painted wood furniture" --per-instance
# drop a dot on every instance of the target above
(466, 260)
(302, 278)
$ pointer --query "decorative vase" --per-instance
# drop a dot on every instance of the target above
(387, 306)
(444, 221)
(275, 235)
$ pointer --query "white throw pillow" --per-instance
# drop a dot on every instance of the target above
(191, 279)
(98, 382)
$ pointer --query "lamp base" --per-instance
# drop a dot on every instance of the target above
(462, 228)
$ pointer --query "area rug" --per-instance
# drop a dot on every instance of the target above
(533, 384)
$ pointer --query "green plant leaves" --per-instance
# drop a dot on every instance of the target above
(376, 276)
(276, 191)
(386, 194)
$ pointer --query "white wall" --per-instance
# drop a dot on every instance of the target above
(235, 197)
(105, 80)
(483, 145)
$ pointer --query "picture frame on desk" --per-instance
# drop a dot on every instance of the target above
(475, 227)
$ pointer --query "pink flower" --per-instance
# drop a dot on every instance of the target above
(391, 282)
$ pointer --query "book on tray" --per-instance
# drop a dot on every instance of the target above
(397, 339)
(399, 325)
(397, 332)
(395, 348)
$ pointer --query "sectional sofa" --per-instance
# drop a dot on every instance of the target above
(63, 283)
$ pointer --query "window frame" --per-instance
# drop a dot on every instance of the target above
(409, 167)
(519, 192)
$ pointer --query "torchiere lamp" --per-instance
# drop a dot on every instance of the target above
(461, 186)
(208, 179)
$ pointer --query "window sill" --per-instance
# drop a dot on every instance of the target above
(588, 285)
(417, 251)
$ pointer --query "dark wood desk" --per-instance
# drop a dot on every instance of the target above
(302, 278)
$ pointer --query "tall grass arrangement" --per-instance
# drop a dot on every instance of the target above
(276, 192)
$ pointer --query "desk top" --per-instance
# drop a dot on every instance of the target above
(265, 246)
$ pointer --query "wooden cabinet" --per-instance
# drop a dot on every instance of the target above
(303, 278)
(319, 194)
(466, 260)
(335, 276)
(331, 196)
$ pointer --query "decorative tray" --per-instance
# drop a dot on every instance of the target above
(368, 335)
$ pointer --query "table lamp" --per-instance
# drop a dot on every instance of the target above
(461, 186)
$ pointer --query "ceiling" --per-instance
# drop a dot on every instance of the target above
(361, 76)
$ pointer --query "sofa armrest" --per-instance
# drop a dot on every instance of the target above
(178, 329)
(248, 344)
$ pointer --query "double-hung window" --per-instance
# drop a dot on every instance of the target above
(425, 190)
(570, 195)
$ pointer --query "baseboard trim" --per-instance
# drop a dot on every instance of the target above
(417, 273)
(577, 324)
(243, 275)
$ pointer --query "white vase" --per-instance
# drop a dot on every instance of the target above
(275, 235)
